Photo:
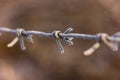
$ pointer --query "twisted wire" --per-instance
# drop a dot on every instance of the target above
(110, 41)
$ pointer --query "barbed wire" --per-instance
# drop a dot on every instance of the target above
(66, 36)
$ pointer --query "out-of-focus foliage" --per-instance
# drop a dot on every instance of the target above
(43, 61)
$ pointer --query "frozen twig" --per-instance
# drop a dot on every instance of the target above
(110, 41)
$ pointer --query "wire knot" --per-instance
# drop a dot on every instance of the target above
(108, 42)
(58, 37)
(102, 38)
(20, 38)
(56, 34)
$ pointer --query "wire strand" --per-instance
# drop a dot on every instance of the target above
(110, 41)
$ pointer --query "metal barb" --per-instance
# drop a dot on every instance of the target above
(68, 30)
(29, 38)
(60, 46)
(20, 38)
(68, 39)
(110, 41)
(58, 37)
(21, 42)
(92, 49)
(16, 39)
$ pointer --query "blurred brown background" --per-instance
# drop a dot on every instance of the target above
(42, 60)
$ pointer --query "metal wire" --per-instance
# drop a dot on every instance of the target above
(110, 41)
